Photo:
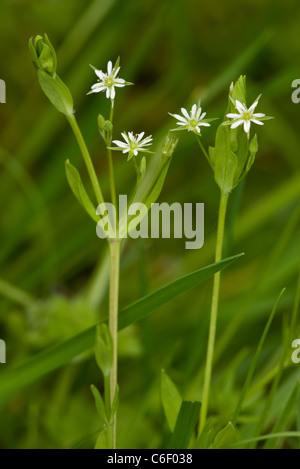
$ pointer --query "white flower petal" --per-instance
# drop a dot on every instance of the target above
(240, 107)
(140, 136)
(116, 72)
(120, 144)
(109, 67)
(100, 74)
(257, 122)
(193, 111)
(97, 88)
(233, 116)
(199, 113)
(205, 124)
(236, 124)
(251, 108)
(185, 113)
(247, 125)
(258, 115)
(112, 93)
(180, 118)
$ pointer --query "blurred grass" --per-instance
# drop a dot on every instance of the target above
(174, 52)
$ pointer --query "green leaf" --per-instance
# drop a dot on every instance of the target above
(104, 349)
(79, 191)
(42, 363)
(224, 438)
(57, 92)
(103, 440)
(171, 399)
(158, 185)
(226, 161)
(185, 425)
(99, 403)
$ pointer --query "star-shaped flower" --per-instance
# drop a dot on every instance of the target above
(245, 116)
(133, 144)
(193, 121)
(109, 81)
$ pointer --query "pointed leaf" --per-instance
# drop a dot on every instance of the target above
(185, 425)
(171, 399)
(79, 191)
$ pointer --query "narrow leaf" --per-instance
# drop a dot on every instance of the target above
(224, 438)
(79, 191)
(171, 399)
(99, 403)
(185, 425)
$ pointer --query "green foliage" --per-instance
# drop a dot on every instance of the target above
(54, 275)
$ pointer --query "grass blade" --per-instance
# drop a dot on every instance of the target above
(185, 425)
(55, 357)
(255, 360)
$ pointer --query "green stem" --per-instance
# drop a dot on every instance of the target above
(115, 247)
(87, 159)
(214, 313)
(110, 161)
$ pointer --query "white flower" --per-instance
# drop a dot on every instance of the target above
(108, 81)
(246, 116)
(133, 144)
(193, 121)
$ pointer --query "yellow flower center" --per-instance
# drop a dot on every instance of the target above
(247, 116)
(109, 82)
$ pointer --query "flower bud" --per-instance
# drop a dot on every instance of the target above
(44, 59)
(43, 54)
(143, 166)
(169, 145)
(101, 122)
(108, 127)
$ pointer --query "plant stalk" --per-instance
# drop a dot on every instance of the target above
(115, 247)
(214, 313)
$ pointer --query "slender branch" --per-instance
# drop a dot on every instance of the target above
(214, 313)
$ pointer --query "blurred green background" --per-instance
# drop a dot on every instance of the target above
(175, 52)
